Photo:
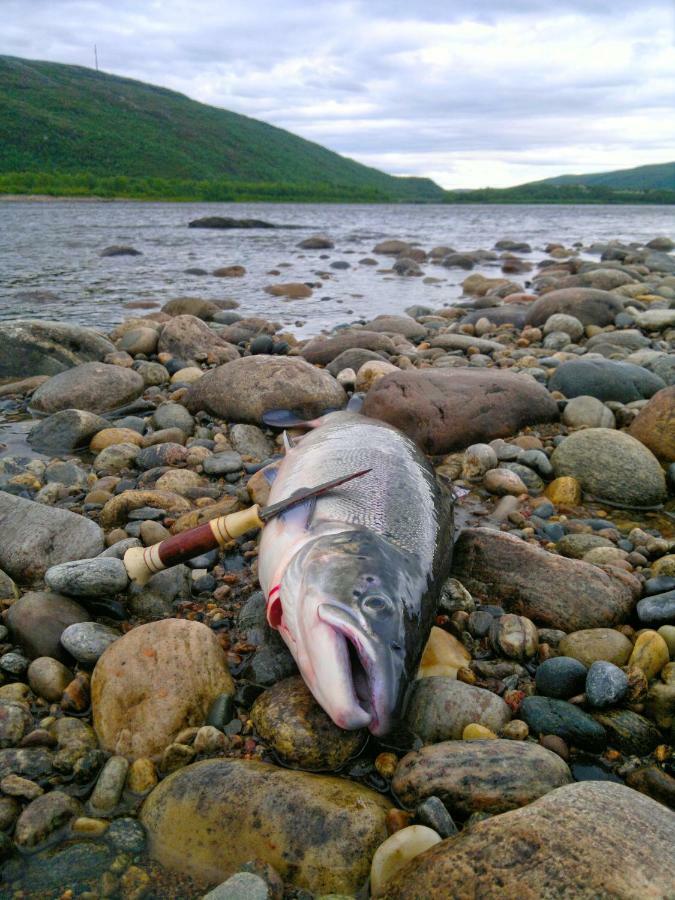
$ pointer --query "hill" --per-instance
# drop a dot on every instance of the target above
(69, 129)
(642, 178)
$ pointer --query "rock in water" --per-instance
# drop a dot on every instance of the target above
(535, 851)
(95, 387)
(36, 537)
(611, 465)
(452, 409)
(155, 681)
(243, 390)
(470, 776)
(37, 347)
(551, 590)
(211, 817)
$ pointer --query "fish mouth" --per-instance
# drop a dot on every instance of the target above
(358, 660)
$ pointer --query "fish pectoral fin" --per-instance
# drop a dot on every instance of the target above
(270, 472)
(300, 515)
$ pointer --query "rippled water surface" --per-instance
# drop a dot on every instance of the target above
(50, 265)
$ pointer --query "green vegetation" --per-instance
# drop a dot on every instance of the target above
(545, 192)
(73, 123)
(643, 178)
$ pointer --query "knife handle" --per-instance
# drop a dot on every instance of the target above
(142, 563)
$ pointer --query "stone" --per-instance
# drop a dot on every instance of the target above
(48, 678)
(117, 510)
(290, 720)
(246, 389)
(319, 242)
(440, 708)
(479, 776)
(658, 609)
(110, 436)
(478, 459)
(292, 290)
(142, 776)
(43, 816)
(139, 340)
(443, 655)
(396, 852)
(654, 425)
(587, 412)
(120, 250)
(576, 546)
(98, 577)
(606, 684)
(545, 715)
(564, 491)
(611, 465)
(650, 653)
(371, 372)
(561, 677)
(86, 641)
(451, 341)
(109, 786)
(503, 482)
(475, 732)
(444, 410)
(535, 851)
(68, 429)
(36, 537)
(628, 731)
(550, 590)
(191, 306)
(224, 463)
(249, 440)
(323, 350)
(38, 347)
(198, 825)
(593, 644)
(153, 682)
(589, 306)
(172, 415)
(405, 325)
(190, 340)
(514, 637)
(605, 379)
(241, 886)
(38, 619)
(15, 721)
(16, 786)
(352, 359)
(94, 387)
(568, 325)
(654, 782)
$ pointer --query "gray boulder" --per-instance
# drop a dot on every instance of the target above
(67, 429)
(39, 347)
(95, 387)
(605, 379)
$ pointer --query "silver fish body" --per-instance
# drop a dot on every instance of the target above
(352, 579)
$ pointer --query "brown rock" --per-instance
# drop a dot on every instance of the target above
(544, 851)
(109, 436)
(191, 306)
(323, 350)
(94, 387)
(551, 590)
(445, 410)
(243, 390)
(593, 644)
(153, 682)
(294, 290)
(654, 425)
(38, 620)
(189, 339)
(230, 272)
(115, 511)
(590, 306)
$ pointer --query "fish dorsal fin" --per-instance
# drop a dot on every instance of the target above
(289, 443)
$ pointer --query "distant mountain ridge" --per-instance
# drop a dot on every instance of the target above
(66, 122)
(660, 176)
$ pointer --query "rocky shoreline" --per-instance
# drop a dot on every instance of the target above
(158, 742)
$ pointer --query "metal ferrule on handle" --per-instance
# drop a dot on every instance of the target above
(142, 563)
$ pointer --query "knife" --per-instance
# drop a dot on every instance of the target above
(142, 563)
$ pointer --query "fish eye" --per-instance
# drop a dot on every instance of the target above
(376, 603)
(395, 646)
(369, 579)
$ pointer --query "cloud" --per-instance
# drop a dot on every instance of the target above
(509, 92)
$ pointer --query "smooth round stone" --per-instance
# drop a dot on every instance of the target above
(592, 644)
(15, 721)
(503, 481)
(569, 325)
(514, 636)
(224, 463)
(48, 678)
(43, 816)
(587, 412)
(561, 677)
(173, 415)
(396, 852)
(98, 577)
(576, 546)
(546, 716)
(657, 609)
(665, 566)
(650, 653)
(476, 732)
(126, 835)
(440, 708)
(527, 474)
(478, 459)
(660, 585)
(433, 813)
(443, 655)
(241, 886)
(87, 641)
(14, 663)
(606, 684)
(564, 491)
(667, 632)
(537, 460)
(628, 731)
(110, 784)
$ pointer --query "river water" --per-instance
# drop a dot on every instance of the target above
(51, 268)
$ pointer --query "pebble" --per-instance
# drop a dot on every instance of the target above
(514, 636)
(224, 463)
(396, 852)
(108, 790)
(561, 677)
(503, 481)
(87, 641)
(433, 813)
(476, 732)
(240, 886)
(16, 786)
(43, 816)
(650, 653)
(606, 684)
(99, 577)
(546, 715)
(142, 776)
(592, 644)
(126, 835)
(440, 708)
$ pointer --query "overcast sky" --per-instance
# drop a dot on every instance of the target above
(520, 90)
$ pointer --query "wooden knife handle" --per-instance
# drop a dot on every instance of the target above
(142, 563)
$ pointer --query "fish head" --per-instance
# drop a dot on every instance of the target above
(356, 630)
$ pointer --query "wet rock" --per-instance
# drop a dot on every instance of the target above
(628, 731)
(38, 347)
(86, 641)
(223, 463)
(611, 465)
(15, 721)
(38, 620)
(503, 482)
(655, 783)
(654, 425)
(488, 776)
(548, 589)
(48, 678)
(587, 412)
(241, 886)
(36, 537)
(658, 609)
(650, 653)
(155, 681)
(561, 677)
(316, 242)
(569, 325)
(589, 645)
(290, 720)
(117, 510)
(98, 577)
(492, 859)
(323, 350)
(173, 415)
(95, 387)
(443, 655)
(589, 306)
(197, 824)
(353, 359)
(189, 339)
(120, 250)
(445, 410)
(576, 546)
(396, 852)
(33, 762)
(292, 290)
(43, 816)
(606, 684)
(605, 380)
(440, 708)
(545, 715)
(191, 306)
(514, 637)
(67, 429)
(242, 391)
(108, 790)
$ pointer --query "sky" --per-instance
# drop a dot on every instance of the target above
(471, 94)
